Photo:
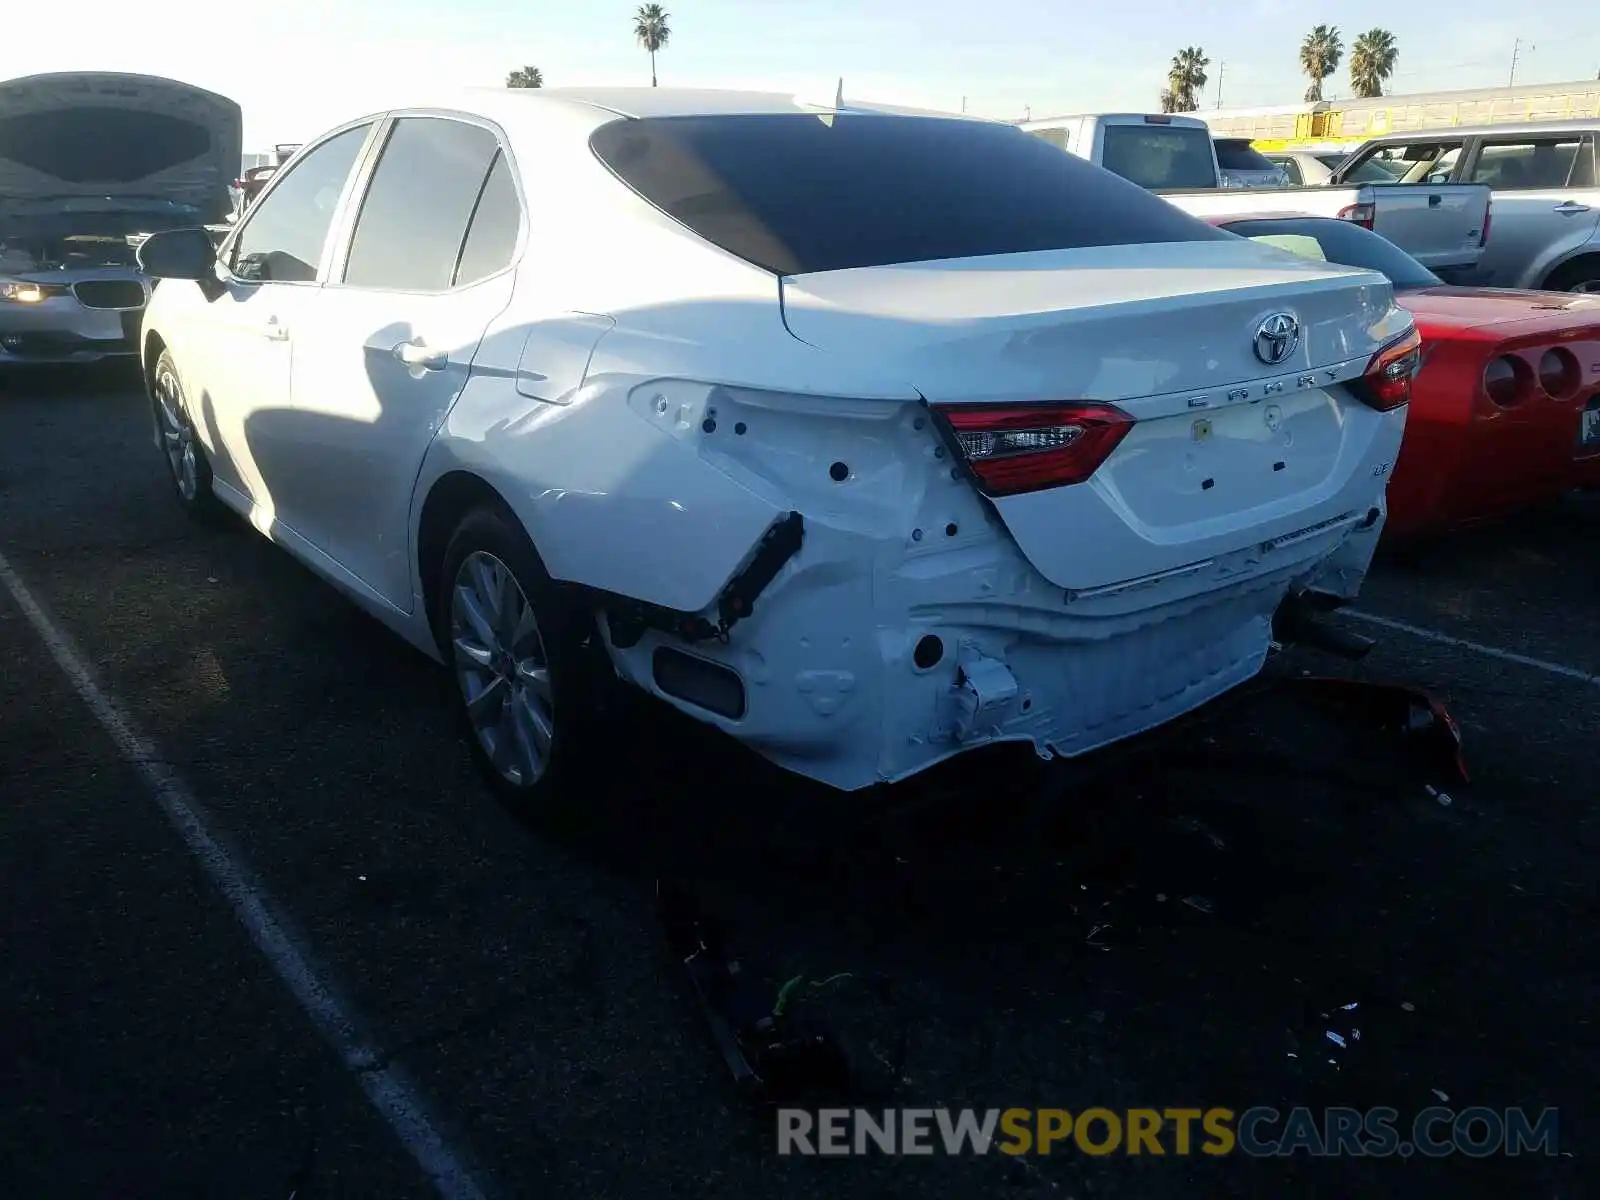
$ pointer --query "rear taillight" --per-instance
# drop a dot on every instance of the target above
(1506, 381)
(1386, 383)
(1488, 216)
(1559, 373)
(1358, 214)
(1014, 448)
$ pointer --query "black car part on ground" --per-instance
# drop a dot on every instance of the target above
(777, 1056)
(774, 1054)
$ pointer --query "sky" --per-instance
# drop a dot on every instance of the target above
(298, 67)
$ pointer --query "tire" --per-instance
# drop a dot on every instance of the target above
(1583, 275)
(187, 465)
(529, 704)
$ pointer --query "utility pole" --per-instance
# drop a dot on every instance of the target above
(963, 104)
(1221, 66)
(1516, 49)
(1027, 112)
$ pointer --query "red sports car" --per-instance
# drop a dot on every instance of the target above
(1505, 411)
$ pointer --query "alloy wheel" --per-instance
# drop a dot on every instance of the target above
(177, 436)
(502, 668)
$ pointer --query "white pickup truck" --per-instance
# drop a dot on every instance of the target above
(1445, 227)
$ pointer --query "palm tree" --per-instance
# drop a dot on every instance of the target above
(1319, 57)
(1185, 77)
(1372, 62)
(1169, 102)
(650, 27)
(525, 77)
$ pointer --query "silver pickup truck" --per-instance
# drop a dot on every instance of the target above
(1443, 226)
(1546, 225)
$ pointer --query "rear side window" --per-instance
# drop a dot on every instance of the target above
(1531, 164)
(801, 193)
(1236, 154)
(414, 218)
(492, 237)
(1290, 168)
(1160, 156)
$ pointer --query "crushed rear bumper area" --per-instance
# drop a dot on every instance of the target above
(857, 660)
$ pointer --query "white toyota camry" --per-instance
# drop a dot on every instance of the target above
(866, 437)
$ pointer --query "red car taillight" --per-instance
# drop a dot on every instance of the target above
(1559, 373)
(1014, 448)
(1359, 214)
(1386, 383)
(1506, 380)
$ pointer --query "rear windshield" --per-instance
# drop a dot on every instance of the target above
(1235, 154)
(1327, 240)
(800, 193)
(101, 145)
(1160, 156)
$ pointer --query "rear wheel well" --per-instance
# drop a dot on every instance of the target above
(450, 499)
(1584, 266)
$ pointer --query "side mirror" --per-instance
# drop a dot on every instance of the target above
(178, 254)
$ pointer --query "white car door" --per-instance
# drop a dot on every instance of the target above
(237, 367)
(427, 267)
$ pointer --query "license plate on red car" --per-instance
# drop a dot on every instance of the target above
(1589, 431)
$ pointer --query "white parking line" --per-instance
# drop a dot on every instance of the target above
(1444, 639)
(396, 1099)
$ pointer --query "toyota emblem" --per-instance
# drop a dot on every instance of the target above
(1276, 338)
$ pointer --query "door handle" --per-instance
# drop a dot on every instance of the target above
(417, 354)
(274, 330)
(1435, 200)
(1570, 208)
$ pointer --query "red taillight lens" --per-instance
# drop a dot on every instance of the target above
(1559, 373)
(1359, 214)
(1386, 384)
(1014, 448)
(1506, 380)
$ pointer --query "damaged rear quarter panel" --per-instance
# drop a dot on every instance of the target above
(611, 468)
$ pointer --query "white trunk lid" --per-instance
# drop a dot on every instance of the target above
(1228, 452)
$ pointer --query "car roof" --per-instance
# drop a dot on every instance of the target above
(1450, 133)
(641, 102)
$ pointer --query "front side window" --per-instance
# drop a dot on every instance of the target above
(1412, 162)
(801, 193)
(283, 239)
(1530, 164)
(422, 197)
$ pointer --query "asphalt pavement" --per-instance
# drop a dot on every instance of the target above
(269, 936)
